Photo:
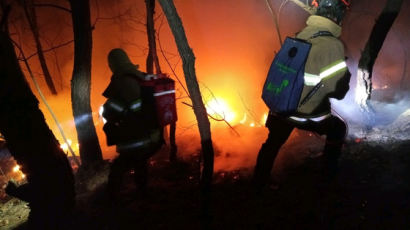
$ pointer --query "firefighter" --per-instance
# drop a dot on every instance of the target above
(129, 122)
(325, 64)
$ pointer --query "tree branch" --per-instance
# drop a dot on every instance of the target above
(50, 49)
(307, 8)
(53, 6)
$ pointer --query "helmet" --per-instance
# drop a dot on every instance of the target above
(120, 63)
(332, 9)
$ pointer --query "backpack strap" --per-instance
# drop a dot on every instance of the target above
(321, 33)
(318, 85)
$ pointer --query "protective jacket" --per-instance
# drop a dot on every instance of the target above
(325, 64)
(128, 109)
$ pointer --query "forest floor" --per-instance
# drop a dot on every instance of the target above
(371, 191)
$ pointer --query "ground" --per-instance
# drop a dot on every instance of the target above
(372, 191)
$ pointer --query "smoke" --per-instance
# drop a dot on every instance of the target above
(234, 42)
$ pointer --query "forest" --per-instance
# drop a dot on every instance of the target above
(55, 158)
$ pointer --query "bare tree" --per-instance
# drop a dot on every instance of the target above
(375, 42)
(31, 16)
(188, 62)
(50, 182)
(152, 59)
(90, 151)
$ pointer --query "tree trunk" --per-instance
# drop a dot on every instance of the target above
(30, 13)
(152, 59)
(371, 50)
(188, 61)
(90, 151)
(50, 183)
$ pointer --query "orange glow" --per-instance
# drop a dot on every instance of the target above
(64, 146)
(16, 168)
(219, 109)
(243, 119)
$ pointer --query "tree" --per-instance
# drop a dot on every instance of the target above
(30, 13)
(374, 44)
(90, 151)
(152, 59)
(50, 182)
(188, 62)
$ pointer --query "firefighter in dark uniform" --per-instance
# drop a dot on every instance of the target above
(130, 122)
(326, 63)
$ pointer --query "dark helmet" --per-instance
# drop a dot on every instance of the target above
(120, 63)
(332, 9)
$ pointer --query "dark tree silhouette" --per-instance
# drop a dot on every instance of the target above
(188, 64)
(369, 55)
(152, 59)
(90, 151)
(188, 61)
(31, 16)
(50, 183)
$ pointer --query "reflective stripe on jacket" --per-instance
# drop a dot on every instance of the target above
(326, 63)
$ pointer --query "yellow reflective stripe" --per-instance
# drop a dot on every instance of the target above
(135, 105)
(332, 69)
(327, 72)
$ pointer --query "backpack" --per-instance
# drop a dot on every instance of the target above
(285, 80)
(158, 108)
(159, 90)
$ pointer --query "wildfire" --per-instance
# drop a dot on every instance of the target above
(16, 170)
(64, 146)
(219, 109)
(75, 147)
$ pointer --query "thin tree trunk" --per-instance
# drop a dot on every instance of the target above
(188, 65)
(152, 59)
(50, 187)
(30, 13)
(90, 151)
(188, 62)
(375, 42)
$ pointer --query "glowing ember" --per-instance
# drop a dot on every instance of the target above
(243, 119)
(264, 118)
(219, 109)
(16, 168)
(252, 124)
(64, 146)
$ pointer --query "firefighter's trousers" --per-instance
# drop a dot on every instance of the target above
(279, 130)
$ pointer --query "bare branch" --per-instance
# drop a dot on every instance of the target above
(307, 8)
(25, 60)
(275, 19)
(53, 6)
(216, 119)
(250, 112)
(166, 59)
(50, 49)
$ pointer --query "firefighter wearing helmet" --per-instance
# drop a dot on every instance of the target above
(129, 125)
(326, 64)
